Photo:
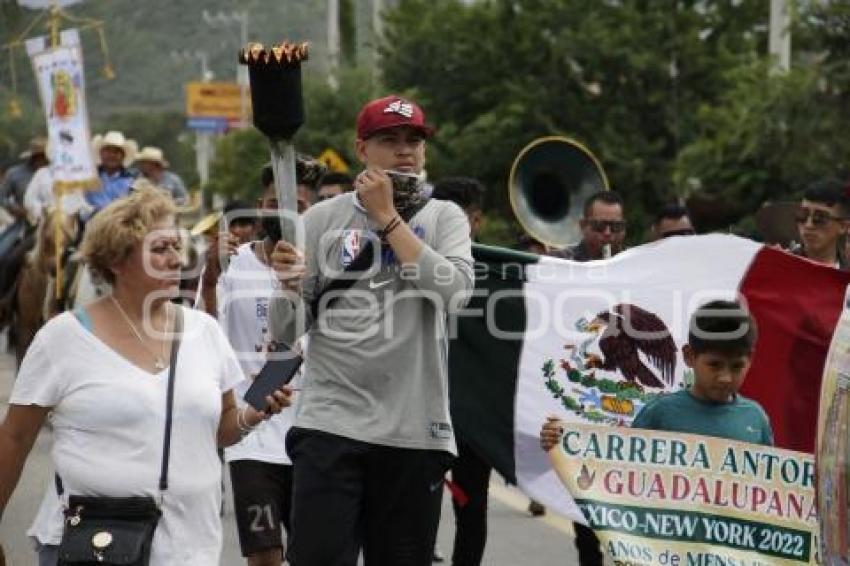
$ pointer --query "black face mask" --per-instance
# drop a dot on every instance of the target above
(271, 226)
(407, 191)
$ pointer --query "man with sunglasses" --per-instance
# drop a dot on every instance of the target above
(823, 223)
(602, 225)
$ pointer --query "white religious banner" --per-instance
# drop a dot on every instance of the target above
(67, 38)
(61, 84)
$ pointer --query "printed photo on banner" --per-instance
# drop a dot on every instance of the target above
(61, 82)
(834, 443)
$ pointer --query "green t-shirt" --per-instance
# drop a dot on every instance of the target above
(742, 419)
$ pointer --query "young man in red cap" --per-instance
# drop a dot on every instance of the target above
(372, 437)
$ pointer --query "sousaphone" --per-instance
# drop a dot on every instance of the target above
(549, 182)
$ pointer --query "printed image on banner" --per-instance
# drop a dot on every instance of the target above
(679, 499)
(61, 84)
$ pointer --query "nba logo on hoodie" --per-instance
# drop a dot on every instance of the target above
(351, 242)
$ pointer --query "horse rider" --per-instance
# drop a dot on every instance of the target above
(19, 237)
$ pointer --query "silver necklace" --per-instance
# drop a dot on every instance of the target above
(159, 361)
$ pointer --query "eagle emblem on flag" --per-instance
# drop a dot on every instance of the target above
(628, 331)
(634, 345)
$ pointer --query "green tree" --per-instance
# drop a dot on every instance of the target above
(769, 135)
(16, 131)
(625, 78)
(331, 113)
(235, 171)
(347, 33)
(765, 139)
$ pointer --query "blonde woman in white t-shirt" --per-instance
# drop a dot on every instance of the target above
(100, 374)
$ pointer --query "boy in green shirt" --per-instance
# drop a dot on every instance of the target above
(721, 338)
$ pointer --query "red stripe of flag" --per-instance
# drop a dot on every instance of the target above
(796, 311)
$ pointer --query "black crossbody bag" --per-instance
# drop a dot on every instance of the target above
(104, 531)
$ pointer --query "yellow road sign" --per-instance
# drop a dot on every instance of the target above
(216, 100)
(334, 161)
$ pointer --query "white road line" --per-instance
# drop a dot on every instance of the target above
(517, 500)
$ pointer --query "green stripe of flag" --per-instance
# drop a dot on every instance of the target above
(482, 368)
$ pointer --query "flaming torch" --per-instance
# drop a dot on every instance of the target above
(278, 105)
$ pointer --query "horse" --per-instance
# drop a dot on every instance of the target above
(35, 299)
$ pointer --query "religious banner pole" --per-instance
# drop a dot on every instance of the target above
(60, 77)
(57, 61)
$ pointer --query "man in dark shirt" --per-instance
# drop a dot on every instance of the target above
(603, 229)
(470, 472)
(18, 177)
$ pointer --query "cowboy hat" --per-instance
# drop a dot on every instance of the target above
(154, 154)
(115, 139)
(207, 224)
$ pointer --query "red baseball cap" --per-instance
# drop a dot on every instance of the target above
(390, 112)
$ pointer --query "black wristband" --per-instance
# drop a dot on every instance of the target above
(393, 224)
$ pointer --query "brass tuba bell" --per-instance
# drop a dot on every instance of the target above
(549, 182)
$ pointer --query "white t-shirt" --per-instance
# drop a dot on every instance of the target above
(242, 296)
(108, 419)
(39, 193)
(39, 196)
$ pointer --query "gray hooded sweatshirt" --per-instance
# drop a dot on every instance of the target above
(377, 362)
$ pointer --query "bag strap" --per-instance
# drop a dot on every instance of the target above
(169, 409)
(360, 263)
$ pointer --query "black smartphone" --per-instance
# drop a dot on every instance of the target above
(276, 373)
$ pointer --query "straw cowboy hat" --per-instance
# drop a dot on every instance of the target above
(207, 224)
(154, 154)
(115, 139)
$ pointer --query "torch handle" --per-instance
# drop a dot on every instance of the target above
(286, 187)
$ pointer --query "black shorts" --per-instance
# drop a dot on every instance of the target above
(262, 500)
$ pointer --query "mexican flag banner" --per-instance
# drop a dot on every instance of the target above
(531, 343)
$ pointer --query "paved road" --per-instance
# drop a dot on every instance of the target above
(515, 537)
